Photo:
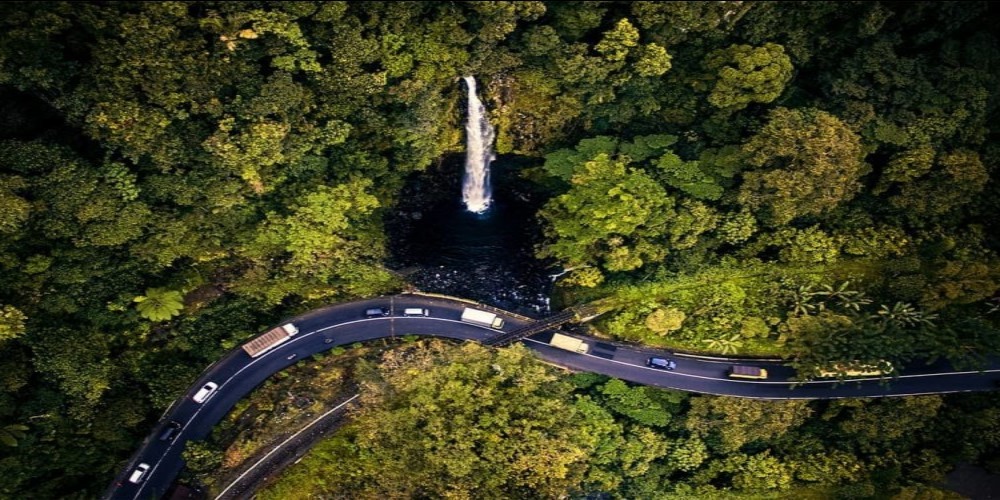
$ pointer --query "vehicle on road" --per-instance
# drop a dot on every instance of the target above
(854, 369)
(477, 317)
(661, 363)
(569, 343)
(273, 338)
(376, 312)
(206, 390)
(170, 431)
(416, 311)
(139, 474)
(752, 372)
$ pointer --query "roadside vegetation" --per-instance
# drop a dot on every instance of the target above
(274, 411)
(810, 180)
(441, 420)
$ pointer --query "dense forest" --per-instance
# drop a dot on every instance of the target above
(442, 421)
(815, 181)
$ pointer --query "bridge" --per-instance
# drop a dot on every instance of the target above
(576, 314)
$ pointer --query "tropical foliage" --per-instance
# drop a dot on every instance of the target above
(812, 180)
(460, 421)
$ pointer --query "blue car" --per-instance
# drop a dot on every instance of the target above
(661, 363)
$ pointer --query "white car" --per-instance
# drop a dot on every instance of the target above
(205, 391)
(138, 474)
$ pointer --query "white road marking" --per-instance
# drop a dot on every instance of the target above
(691, 375)
(283, 443)
(300, 338)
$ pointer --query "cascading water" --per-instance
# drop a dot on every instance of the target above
(477, 246)
(476, 193)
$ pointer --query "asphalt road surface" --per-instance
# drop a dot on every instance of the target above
(237, 374)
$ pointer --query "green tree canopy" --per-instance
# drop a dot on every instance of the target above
(11, 323)
(329, 244)
(746, 74)
(740, 421)
(804, 162)
(611, 216)
(462, 421)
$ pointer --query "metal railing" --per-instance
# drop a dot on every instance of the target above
(549, 323)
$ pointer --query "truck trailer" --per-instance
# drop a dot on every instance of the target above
(881, 368)
(482, 318)
(270, 340)
(754, 372)
(569, 343)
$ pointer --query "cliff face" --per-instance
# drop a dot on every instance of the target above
(528, 111)
(498, 98)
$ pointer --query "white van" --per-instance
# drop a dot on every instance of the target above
(138, 474)
(205, 391)
(416, 311)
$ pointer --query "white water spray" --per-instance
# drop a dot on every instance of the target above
(476, 192)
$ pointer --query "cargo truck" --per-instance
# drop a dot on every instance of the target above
(754, 372)
(270, 340)
(483, 318)
(855, 369)
(569, 343)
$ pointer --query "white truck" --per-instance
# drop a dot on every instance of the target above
(569, 343)
(269, 340)
(483, 318)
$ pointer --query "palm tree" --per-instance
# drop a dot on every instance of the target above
(159, 304)
(802, 301)
(849, 299)
(725, 345)
(904, 314)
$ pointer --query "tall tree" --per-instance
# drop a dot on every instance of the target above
(612, 217)
(746, 74)
(804, 162)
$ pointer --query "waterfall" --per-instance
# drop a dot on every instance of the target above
(476, 193)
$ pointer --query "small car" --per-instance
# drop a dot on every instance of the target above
(661, 363)
(170, 431)
(138, 474)
(416, 311)
(205, 391)
(376, 312)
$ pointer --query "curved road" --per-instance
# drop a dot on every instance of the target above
(237, 374)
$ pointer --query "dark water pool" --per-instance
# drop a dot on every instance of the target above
(487, 257)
